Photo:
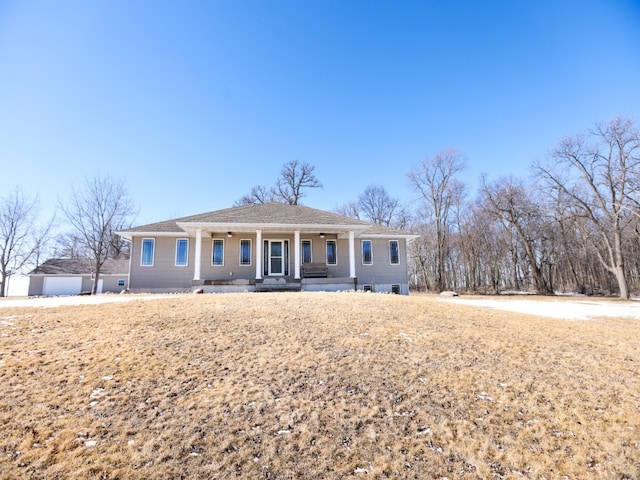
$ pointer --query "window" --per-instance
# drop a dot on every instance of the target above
(367, 254)
(217, 258)
(306, 251)
(332, 252)
(245, 252)
(182, 252)
(394, 252)
(367, 288)
(121, 282)
(395, 289)
(148, 246)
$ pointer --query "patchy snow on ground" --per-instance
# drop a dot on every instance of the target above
(71, 300)
(568, 309)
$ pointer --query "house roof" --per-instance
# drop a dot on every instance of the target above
(80, 266)
(268, 216)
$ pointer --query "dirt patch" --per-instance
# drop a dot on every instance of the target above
(315, 385)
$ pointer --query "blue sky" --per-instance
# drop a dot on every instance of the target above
(193, 103)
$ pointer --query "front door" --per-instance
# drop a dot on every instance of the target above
(276, 257)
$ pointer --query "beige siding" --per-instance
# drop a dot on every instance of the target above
(110, 283)
(319, 253)
(342, 268)
(381, 271)
(164, 274)
(231, 269)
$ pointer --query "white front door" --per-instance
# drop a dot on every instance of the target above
(276, 257)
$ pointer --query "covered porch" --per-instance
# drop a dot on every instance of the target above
(273, 258)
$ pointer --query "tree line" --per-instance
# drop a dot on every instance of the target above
(573, 225)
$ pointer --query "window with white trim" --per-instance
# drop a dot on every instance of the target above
(306, 251)
(217, 256)
(332, 252)
(147, 253)
(367, 252)
(245, 252)
(121, 282)
(182, 252)
(394, 252)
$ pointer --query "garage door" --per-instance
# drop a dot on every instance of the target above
(62, 285)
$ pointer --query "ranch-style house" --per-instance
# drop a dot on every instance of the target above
(267, 247)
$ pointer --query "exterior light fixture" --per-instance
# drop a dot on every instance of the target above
(229, 234)
(322, 235)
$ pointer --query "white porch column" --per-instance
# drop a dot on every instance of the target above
(352, 255)
(258, 254)
(198, 253)
(296, 254)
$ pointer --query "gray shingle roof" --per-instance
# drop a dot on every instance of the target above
(265, 214)
(80, 266)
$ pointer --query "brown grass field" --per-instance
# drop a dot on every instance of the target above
(315, 386)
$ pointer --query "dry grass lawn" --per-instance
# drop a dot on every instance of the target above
(314, 385)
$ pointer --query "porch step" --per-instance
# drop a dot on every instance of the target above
(278, 285)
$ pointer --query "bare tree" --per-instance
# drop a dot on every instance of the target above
(41, 242)
(96, 211)
(511, 202)
(17, 219)
(476, 242)
(68, 245)
(258, 194)
(295, 178)
(600, 176)
(434, 179)
(377, 205)
(423, 257)
(403, 218)
(349, 209)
